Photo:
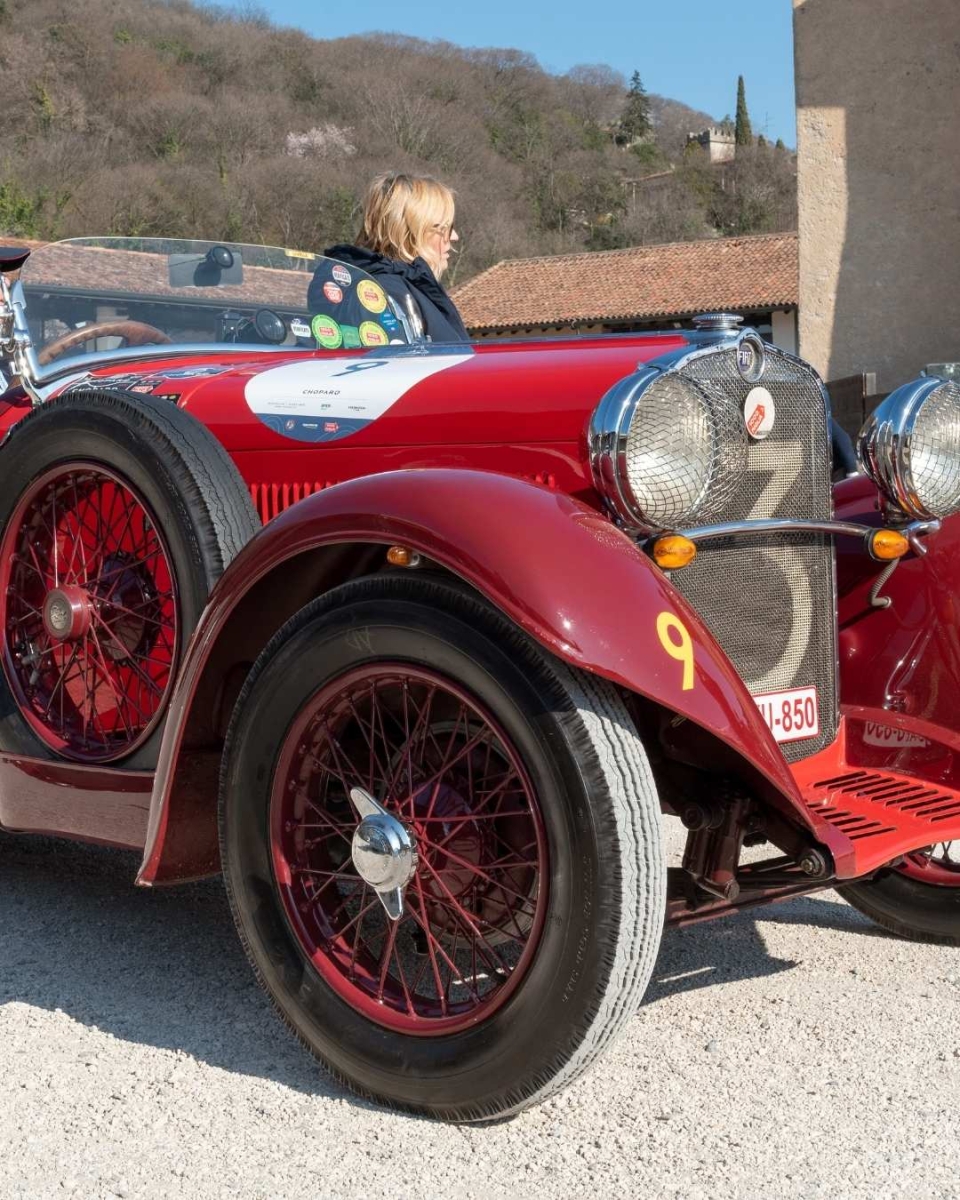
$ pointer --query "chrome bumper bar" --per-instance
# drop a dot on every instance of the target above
(704, 533)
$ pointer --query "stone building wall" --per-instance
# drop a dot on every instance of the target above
(878, 99)
(718, 142)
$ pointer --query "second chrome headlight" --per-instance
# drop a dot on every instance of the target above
(910, 447)
(663, 451)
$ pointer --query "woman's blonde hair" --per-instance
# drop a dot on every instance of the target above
(399, 211)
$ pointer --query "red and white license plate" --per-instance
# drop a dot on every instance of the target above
(791, 715)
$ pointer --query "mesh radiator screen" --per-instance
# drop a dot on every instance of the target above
(771, 601)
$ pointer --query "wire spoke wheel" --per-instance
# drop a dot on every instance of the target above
(441, 848)
(91, 621)
(938, 864)
(473, 907)
(919, 898)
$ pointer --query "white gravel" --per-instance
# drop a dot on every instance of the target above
(792, 1052)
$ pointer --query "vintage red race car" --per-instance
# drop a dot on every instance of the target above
(418, 644)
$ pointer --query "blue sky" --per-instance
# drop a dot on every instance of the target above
(690, 51)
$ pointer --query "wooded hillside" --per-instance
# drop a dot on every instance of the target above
(162, 117)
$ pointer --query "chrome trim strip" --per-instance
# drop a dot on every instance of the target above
(93, 362)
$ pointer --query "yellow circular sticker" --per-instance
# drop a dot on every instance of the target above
(371, 295)
(371, 334)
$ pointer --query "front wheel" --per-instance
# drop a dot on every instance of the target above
(918, 899)
(442, 849)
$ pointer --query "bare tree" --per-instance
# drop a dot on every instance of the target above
(166, 116)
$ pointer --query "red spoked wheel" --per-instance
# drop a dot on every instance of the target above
(444, 940)
(919, 898)
(938, 864)
(91, 615)
(441, 848)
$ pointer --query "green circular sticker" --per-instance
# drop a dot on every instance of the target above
(326, 331)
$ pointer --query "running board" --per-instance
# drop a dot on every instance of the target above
(102, 804)
(882, 814)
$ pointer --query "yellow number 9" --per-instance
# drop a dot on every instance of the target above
(682, 650)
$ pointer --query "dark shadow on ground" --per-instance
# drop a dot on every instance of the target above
(165, 968)
(158, 967)
(731, 948)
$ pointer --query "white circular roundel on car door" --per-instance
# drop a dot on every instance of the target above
(327, 399)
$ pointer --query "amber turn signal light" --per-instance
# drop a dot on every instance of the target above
(887, 544)
(402, 556)
(673, 552)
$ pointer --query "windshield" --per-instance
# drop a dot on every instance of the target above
(93, 295)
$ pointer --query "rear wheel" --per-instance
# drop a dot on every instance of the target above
(118, 515)
(918, 899)
(442, 849)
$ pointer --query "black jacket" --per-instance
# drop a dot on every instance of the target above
(441, 320)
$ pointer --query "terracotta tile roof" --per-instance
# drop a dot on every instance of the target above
(677, 279)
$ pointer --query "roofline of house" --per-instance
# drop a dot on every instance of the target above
(631, 318)
(594, 256)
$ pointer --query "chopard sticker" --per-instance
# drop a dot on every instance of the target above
(305, 400)
(341, 274)
(372, 335)
(371, 295)
(759, 413)
(333, 293)
(299, 328)
(327, 332)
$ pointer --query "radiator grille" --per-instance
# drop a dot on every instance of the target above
(770, 601)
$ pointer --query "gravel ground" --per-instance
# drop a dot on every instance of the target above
(793, 1052)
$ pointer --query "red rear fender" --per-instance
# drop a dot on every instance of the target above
(556, 568)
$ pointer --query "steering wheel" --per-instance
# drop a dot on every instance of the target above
(134, 333)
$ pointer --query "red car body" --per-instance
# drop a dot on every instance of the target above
(481, 457)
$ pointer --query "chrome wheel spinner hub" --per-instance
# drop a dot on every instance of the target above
(383, 852)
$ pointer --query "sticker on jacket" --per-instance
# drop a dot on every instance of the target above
(327, 399)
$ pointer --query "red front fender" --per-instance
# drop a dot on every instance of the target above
(557, 568)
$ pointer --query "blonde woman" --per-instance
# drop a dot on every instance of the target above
(405, 242)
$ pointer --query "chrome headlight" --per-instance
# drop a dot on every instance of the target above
(663, 451)
(910, 448)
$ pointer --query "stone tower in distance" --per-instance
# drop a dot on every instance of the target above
(718, 141)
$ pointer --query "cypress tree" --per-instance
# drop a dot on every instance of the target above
(743, 134)
(779, 145)
(634, 121)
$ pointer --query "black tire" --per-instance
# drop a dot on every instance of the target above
(607, 879)
(184, 478)
(909, 908)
